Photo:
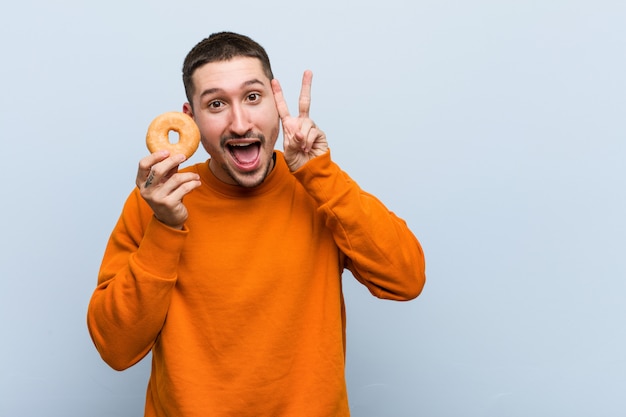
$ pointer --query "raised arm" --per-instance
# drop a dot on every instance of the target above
(139, 268)
(382, 252)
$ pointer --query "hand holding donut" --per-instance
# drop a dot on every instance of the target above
(158, 179)
(303, 141)
(163, 187)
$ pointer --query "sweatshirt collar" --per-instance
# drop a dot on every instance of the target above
(274, 179)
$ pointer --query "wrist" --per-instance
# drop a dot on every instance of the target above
(171, 226)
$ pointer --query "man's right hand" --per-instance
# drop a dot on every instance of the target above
(163, 187)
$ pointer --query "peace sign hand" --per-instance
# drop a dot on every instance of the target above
(303, 141)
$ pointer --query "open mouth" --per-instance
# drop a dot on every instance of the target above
(245, 154)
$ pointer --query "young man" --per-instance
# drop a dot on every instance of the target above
(229, 271)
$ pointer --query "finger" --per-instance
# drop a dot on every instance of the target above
(146, 164)
(279, 98)
(307, 135)
(183, 184)
(177, 186)
(167, 203)
(304, 103)
(166, 199)
(160, 170)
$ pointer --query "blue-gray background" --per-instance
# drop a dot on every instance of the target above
(495, 128)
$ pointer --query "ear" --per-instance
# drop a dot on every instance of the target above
(188, 110)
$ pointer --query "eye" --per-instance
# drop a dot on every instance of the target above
(215, 105)
(254, 97)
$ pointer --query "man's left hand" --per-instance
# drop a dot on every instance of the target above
(303, 141)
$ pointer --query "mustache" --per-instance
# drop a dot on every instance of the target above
(247, 135)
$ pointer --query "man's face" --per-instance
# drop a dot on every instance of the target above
(234, 108)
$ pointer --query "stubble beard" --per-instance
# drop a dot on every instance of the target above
(248, 179)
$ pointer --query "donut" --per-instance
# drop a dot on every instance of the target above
(157, 137)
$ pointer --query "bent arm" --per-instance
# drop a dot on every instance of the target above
(382, 252)
(135, 284)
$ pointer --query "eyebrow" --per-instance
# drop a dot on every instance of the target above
(248, 83)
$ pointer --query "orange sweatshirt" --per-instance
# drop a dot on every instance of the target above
(243, 309)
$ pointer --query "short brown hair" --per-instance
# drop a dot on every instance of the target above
(222, 46)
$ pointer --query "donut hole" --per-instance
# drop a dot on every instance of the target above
(173, 137)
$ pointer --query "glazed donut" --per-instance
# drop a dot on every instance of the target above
(157, 137)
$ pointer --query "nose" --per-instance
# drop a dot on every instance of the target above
(240, 120)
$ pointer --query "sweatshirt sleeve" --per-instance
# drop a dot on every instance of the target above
(383, 254)
(135, 283)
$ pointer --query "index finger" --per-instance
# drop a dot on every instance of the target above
(281, 104)
(304, 103)
(146, 164)
(158, 165)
